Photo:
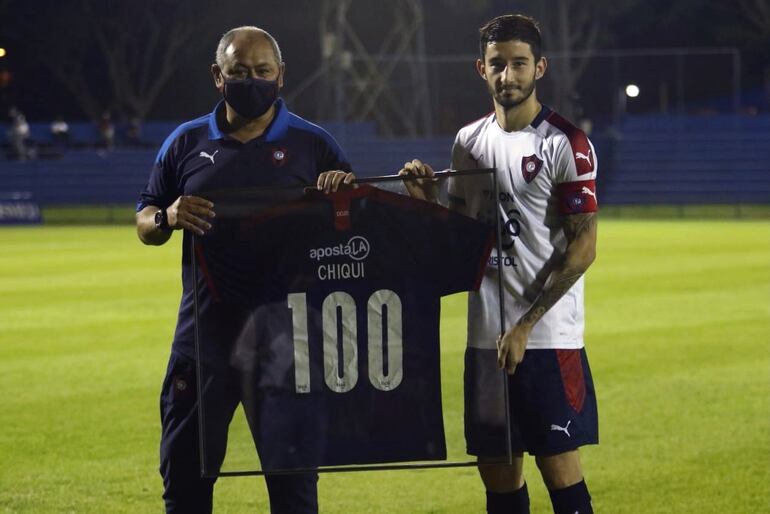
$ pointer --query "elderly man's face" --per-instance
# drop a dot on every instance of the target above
(249, 55)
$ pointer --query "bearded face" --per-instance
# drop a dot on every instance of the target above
(510, 71)
(510, 95)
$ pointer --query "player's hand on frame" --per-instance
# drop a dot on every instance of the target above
(425, 187)
(511, 346)
(331, 181)
(191, 213)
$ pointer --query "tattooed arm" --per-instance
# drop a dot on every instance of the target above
(580, 230)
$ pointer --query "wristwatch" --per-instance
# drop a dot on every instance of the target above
(161, 220)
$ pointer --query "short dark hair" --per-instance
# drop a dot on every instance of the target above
(509, 27)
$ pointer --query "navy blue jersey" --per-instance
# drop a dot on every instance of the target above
(198, 157)
(340, 345)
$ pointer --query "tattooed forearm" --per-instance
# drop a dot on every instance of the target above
(580, 230)
(577, 225)
(558, 284)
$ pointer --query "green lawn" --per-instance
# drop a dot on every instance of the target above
(678, 333)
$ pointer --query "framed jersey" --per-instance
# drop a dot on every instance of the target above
(324, 312)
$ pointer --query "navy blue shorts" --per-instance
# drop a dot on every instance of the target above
(551, 400)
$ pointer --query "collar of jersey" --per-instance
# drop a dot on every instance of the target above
(543, 114)
(545, 111)
(275, 131)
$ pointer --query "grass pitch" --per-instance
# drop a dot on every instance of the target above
(678, 334)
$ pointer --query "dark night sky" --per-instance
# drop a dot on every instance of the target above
(450, 28)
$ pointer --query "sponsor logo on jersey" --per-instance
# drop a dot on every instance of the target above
(502, 196)
(587, 158)
(588, 192)
(208, 156)
(565, 429)
(584, 161)
(530, 167)
(508, 261)
(357, 248)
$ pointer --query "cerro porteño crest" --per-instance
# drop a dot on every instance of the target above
(530, 167)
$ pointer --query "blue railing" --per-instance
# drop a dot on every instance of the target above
(646, 160)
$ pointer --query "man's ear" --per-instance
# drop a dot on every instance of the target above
(219, 79)
(540, 68)
(281, 72)
(481, 69)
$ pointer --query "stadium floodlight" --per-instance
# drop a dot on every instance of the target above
(632, 90)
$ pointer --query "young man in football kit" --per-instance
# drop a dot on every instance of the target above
(250, 140)
(546, 168)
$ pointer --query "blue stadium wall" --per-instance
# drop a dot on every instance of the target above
(646, 160)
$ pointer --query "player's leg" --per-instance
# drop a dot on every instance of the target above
(486, 434)
(293, 494)
(276, 431)
(561, 417)
(502, 478)
(505, 487)
(561, 470)
(184, 489)
(289, 494)
(563, 476)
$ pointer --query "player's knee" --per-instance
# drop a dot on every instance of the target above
(502, 478)
(561, 470)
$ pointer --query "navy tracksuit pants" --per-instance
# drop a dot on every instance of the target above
(185, 491)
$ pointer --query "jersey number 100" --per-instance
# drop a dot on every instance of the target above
(340, 336)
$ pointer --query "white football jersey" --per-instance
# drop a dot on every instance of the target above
(544, 172)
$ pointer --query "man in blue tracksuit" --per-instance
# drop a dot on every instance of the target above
(250, 140)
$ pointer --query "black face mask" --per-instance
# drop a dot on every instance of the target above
(250, 97)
